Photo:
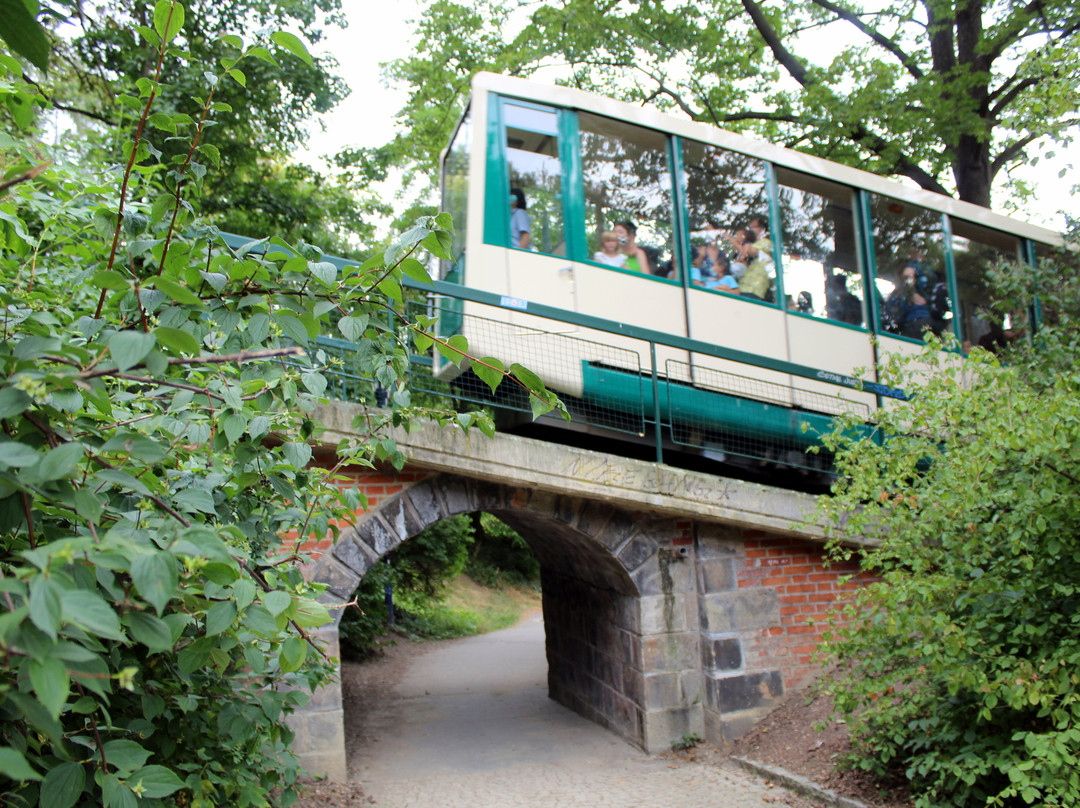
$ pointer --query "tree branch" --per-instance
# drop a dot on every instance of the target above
(786, 58)
(224, 359)
(27, 175)
(872, 33)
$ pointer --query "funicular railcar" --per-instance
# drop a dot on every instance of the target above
(845, 254)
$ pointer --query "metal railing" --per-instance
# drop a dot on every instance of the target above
(682, 403)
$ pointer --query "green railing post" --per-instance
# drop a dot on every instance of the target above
(656, 405)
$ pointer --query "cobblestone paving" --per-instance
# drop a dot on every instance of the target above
(472, 727)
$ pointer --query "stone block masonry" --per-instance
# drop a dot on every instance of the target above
(765, 603)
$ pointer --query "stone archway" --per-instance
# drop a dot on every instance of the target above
(620, 608)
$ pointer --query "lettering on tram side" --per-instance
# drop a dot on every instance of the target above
(513, 303)
(828, 376)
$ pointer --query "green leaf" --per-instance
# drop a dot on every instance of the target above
(353, 327)
(168, 19)
(311, 614)
(438, 244)
(155, 578)
(238, 77)
(177, 341)
(243, 593)
(455, 348)
(415, 270)
(156, 782)
(176, 292)
(293, 327)
(314, 382)
(59, 463)
(195, 500)
(135, 445)
(14, 765)
(18, 455)
(46, 607)
(220, 617)
(129, 348)
(13, 402)
(325, 272)
(293, 45)
(63, 785)
(116, 794)
(22, 33)
(276, 602)
(292, 655)
(49, 678)
(234, 425)
(490, 370)
(527, 378)
(90, 612)
(125, 754)
(297, 454)
(149, 630)
(259, 620)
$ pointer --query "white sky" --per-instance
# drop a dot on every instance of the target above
(366, 117)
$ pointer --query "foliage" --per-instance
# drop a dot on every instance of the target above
(963, 664)
(419, 570)
(687, 741)
(257, 188)
(499, 555)
(156, 387)
(948, 96)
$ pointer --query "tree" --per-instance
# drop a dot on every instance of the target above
(959, 671)
(156, 390)
(257, 127)
(948, 96)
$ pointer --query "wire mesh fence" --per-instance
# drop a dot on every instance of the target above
(699, 409)
(730, 414)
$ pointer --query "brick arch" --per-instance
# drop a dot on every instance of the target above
(612, 606)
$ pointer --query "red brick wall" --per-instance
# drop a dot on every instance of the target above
(377, 485)
(808, 591)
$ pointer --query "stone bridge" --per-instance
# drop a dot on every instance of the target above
(674, 602)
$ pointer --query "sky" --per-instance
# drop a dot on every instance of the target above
(366, 117)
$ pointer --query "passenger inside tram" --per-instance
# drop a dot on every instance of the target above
(519, 220)
(636, 258)
(609, 252)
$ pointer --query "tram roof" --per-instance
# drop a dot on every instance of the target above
(582, 101)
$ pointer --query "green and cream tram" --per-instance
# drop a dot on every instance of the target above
(786, 264)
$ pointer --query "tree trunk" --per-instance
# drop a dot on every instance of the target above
(971, 170)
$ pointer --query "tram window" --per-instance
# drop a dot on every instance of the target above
(819, 258)
(976, 250)
(455, 184)
(532, 156)
(724, 191)
(909, 260)
(626, 179)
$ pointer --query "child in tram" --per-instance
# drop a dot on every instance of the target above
(609, 251)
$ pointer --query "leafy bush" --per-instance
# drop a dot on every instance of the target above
(962, 667)
(500, 556)
(156, 388)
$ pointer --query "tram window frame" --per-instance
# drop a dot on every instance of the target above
(942, 270)
(609, 127)
(965, 232)
(844, 198)
(458, 154)
(500, 180)
(692, 166)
